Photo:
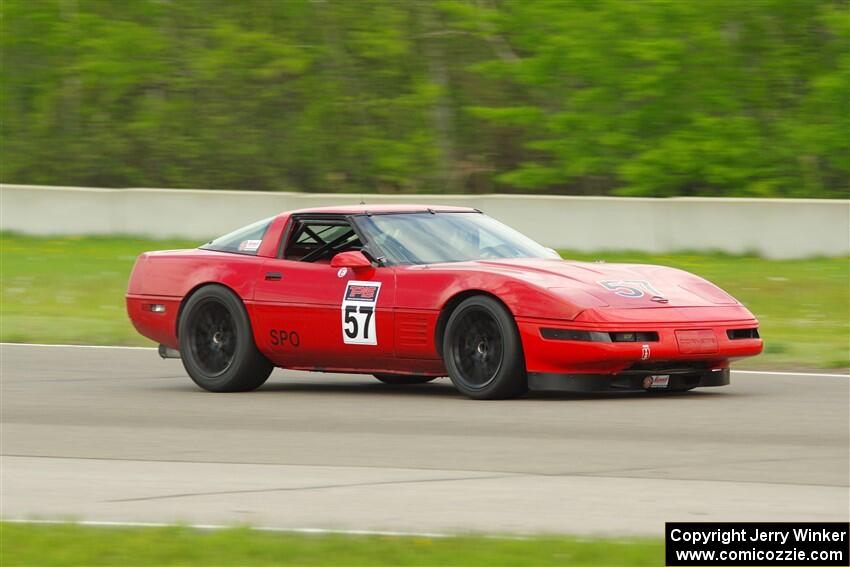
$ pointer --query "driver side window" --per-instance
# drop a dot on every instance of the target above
(318, 240)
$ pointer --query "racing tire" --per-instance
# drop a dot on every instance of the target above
(483, 352)
(217, 343)
(403, 379)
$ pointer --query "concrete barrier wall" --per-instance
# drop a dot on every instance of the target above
(775, 228)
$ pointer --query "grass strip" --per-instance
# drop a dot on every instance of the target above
(73, 544)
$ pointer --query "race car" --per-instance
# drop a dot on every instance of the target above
(412, 293)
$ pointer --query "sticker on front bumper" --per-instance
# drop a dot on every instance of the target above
(660, 381)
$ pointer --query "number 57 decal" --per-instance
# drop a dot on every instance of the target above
(358, 313)
(630, 288)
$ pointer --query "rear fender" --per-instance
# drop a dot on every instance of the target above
(172, 277)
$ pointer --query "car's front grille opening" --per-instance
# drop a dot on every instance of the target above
(668, 366)
(737, 334)
(599, 336)
(574, 335)
(635, 337)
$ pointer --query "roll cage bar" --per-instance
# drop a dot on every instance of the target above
(297, 226)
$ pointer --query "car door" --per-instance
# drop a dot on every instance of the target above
(311, 315)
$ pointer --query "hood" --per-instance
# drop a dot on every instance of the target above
(620, 286)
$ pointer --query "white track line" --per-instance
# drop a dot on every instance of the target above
(80, 346)
(313, 531)
(790, 373)
(304, 531)
(822, 375)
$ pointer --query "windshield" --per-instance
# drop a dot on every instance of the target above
(431, 238)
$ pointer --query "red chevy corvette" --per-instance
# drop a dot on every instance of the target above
(412, 293)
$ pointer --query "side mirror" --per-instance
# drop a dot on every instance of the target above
(355, 260)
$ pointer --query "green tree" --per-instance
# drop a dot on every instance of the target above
(657, 97)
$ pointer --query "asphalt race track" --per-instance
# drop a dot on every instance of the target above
(110, 434)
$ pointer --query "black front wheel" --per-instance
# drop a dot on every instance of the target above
(483, 352)
(400, 379)
(217, 344)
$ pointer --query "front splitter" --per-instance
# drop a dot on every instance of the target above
(625, 382)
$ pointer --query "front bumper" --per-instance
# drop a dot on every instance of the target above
(629, 381)
(669, 348)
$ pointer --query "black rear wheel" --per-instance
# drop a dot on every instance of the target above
(399, 379)
(217, 344)
(483, 352)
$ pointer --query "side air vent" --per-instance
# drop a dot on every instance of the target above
(736, 334)
(411, 331)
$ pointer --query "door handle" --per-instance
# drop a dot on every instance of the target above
(274, 276)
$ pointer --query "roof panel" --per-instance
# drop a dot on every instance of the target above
(361, 209)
